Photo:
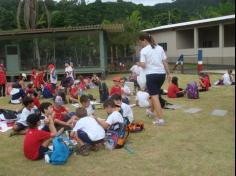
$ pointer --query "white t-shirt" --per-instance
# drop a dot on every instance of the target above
(24, 115)
(153, 58)
(69, 71)
(126, 91)
(136, 69)
(143, 99)
(114, 118)
(90, 126)
(90, 110)
(53, 77)
(226, 79)
(127, 112)
(42, 123)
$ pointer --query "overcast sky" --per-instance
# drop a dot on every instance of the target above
(145, 2)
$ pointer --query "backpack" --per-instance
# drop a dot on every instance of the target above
(136, 127)
(104, 92)
(47, 93)
(117, 135)
(61, 151)
(192, 91)
(164, 103)
(8, 115)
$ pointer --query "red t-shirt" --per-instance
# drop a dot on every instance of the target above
(172, 91)
(74, 92)
(206, 82)
(36, 102)
(33, 140)
(3, 78)
(115, 90)
(58, 113)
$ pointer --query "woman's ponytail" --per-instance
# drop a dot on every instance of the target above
(149, 38)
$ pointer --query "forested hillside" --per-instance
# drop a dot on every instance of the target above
(74, 13)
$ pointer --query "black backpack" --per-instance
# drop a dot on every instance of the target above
(9, 115)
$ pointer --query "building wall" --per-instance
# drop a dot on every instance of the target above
(216, 56)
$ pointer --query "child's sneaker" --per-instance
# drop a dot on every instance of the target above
(149, 113)
(82, 150)
(159, 122)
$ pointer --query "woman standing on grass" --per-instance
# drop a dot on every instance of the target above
(154, 62)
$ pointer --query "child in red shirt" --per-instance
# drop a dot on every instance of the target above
(36, 100)
(61, 117)
(173, 90)
(116, 89)
(204, 83)
(3, 81)
(36, 141)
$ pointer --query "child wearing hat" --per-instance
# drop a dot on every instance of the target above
(37, 141)
(61, 114)
(116, 89)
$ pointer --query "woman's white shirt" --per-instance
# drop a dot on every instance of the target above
(153, 59)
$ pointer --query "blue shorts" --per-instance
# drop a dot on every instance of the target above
(154, 83)
(85, 138)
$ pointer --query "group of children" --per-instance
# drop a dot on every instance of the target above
(40, 125)
(41, 122)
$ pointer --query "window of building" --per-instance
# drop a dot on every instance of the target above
(164, 46)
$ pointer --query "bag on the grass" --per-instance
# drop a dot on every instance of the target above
(142, 80)
(136, 127)
(117, 135)
(192, 91)
(47, 93)
(8, 115)
(61, 151)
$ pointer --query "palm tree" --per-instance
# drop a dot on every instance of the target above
(30, 21)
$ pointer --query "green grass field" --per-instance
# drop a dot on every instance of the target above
(189, 145)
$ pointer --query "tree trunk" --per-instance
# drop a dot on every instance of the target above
(37, 53)
(27, 14)
(18, 14)
(47, 14)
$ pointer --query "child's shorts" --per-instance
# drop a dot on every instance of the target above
(21, 127)
(42, 151)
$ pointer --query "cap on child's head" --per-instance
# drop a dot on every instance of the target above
(24, 75)
(116, 79)
(32, 120)
(58, 101)
(51, 66)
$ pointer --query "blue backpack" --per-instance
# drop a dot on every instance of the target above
(47, 93)
(61, 151)
(117, 135)
(192, 91)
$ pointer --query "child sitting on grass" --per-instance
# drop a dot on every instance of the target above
(113, 115)
(36, 141)
(17, 94)
(88, 132)
(21, 126)
(204, 83)
(143, 99)
(74, 93)
(35, 97)
(116, 89)
(86, 104)
(30, 90)
(61, 114)
(126, 110)
(173, 90)
(46, 110)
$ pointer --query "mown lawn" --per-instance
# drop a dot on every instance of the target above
(189, 145)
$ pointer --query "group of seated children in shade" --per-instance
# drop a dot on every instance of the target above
(41, 124)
